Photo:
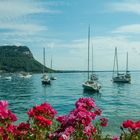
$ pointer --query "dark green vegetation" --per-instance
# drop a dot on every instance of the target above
(19, 58)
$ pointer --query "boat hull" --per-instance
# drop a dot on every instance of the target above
(25, 76)
(121, 80)
(91, 87)
(46, 82)
(52, 78)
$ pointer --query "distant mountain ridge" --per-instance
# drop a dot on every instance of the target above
(19, 58)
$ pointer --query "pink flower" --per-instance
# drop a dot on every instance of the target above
(131, 124)
(61, 118)
(30, 112)
(85, 102)
(3, 109)
(138, 124)
(44, 121)
(93, 115)
(127, 123)
(89, 130)
(3, 104)
(44, 109)
(11, 128)
(23, 126)
(69, 130)
(104, 121)
(1, 130)
(3, 113)
(98, 111)
(115, 138)
(12, 116)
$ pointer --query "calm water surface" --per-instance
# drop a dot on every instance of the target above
(118, 101)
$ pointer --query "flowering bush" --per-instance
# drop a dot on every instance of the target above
(84, 122)
(78, 124)
(133, 130)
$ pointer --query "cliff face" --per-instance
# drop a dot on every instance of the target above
(19, 58)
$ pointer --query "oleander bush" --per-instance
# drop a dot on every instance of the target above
(84, 122)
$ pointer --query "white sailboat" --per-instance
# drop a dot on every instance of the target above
(90, 85)
(93, 76)
(8, 78)
(120, 77)
(25, 75)
(45, 78)
(52, 77)
(128, 75)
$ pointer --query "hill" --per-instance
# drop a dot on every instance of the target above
(19, 58)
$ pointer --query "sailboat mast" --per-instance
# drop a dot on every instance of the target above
(92, 58)
(116, 59)
(51, 62)
(44, 60)
(114, 63)
(51, 66)
(88, 48)
(127, 62)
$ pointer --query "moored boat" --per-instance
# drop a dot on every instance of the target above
(25, 75)
(120, 77)
(45, 78)
(90, 85)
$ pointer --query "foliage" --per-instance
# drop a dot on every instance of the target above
(84, 122)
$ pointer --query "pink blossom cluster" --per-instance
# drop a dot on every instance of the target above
(79, 121)
(131, 124)
(44, 109)
(5, 113)
(42, 115)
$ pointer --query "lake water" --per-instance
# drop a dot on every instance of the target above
(118, 101)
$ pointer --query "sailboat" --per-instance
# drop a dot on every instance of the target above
(7, 77)
(45, 78)
(52, 77)
(128, 75)
(90, 85)
(120, 77)
(93, 76)
(25, 75)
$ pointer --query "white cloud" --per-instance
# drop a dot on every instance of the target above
(126, 6)
(103, 47)
(16, 8)
(133, 29)
(22, 28)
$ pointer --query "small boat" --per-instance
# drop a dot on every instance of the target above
(90, 85)
(45, 78)
(8, 78)
(25, 75)
(120, 77)
(52, 77)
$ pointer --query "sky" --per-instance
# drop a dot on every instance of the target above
(61, 27)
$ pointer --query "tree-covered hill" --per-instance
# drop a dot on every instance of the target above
(19, 58)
